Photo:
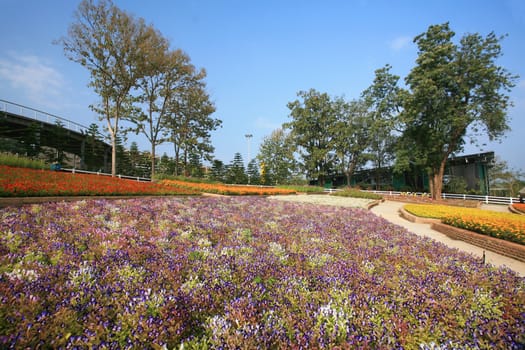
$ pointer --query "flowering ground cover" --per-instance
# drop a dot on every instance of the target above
(506, 226)
(228, 189)
(242, 272)
(25, 182)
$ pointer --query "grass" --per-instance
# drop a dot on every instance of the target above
(21, 161)
(350, 192)
(303, 189)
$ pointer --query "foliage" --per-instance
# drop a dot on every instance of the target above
(189, 123)
(160, 177)
(506, 226)
(235, 173)
(15, 160)
(218, 171)
(350, 192)
(454, 88)
(312, 126)
(276, 157)
(383, 99)
(23, 182)
(114, 47)
(351, 135)
(505, 181)
(252, 171)
(456, 184)
(223, 189)
(58, 139)
(209, 272)
(303, 189)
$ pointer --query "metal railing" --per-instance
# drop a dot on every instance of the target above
(31, 113)
(137, 178)
(480, 198)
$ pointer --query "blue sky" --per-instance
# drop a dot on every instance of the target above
(259, 54)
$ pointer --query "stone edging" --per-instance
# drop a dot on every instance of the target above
(374, 203)
(500, 246)
(416, 219)
(515, 211)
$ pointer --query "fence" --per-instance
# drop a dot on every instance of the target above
(137, 178)
(479, 198)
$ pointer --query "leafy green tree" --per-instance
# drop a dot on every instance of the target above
(252, 170)
(94, 150)
(504, 180)
(236, 173)
(276, 158)
(135, 160)
(383, 99)
(313, 119)
(113, 46)
(167, 75)
(218, 171)
(190, 121)
(454, 89)
(195, 167)
(58, 139)
(124, 164)
(166, 165)
(31, 140)
(351, 135)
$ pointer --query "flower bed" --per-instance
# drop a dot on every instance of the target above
(24, 182)
(241, 272)
(506, 226)
(228, 189)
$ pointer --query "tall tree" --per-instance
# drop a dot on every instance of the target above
(313, 118)
(454, 89)
(383, 99)
(252, 170)
(218, 171)
(504, 180)
(113, 46)
(276, 157)
(351, 135)
(94, 151)
(190, 121)
(236, 173)
(167, 74)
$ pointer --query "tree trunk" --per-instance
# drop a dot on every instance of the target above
(349, 173)
(113, 155)
(152, 160)
(436, 179)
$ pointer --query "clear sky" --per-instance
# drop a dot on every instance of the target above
(258, 54)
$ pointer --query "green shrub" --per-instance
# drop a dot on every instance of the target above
(303, 189)
(350, 192)
(22, 162)
(159, 177)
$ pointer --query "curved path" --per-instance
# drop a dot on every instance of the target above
(389, 211)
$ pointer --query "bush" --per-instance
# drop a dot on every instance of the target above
(21, 161)
(350, 192)
(303, 189)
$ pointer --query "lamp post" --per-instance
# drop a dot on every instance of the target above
(248, 138)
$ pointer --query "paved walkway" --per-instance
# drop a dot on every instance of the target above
(389, 211)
